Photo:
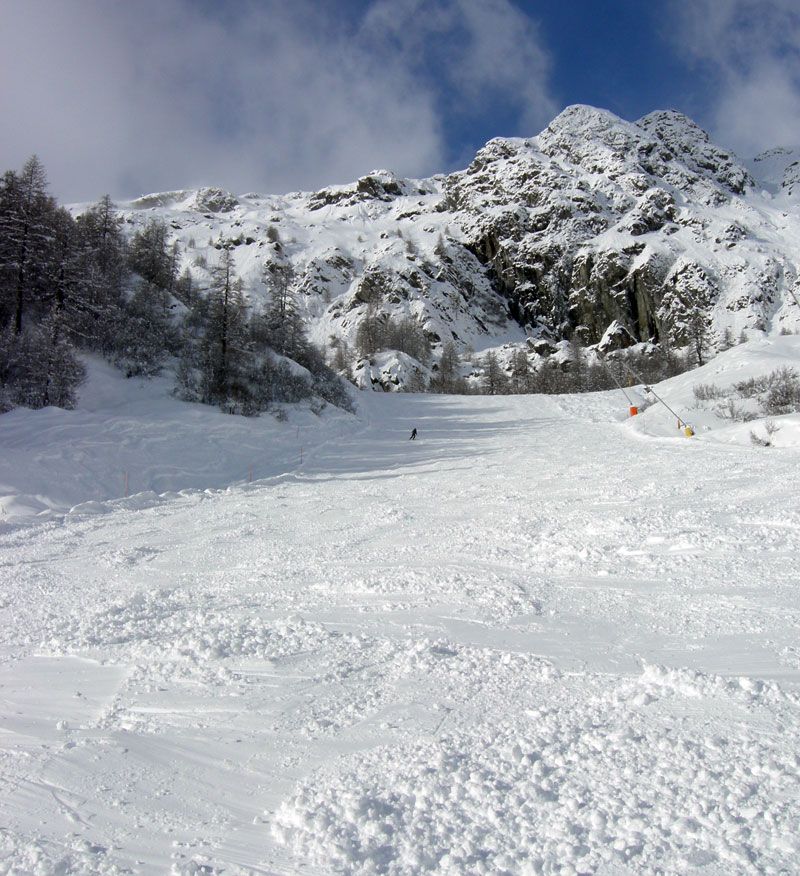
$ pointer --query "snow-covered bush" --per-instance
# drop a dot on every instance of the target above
(708, 392)
(773, 394)
(770, 428)
(753, 386)
(730, 410)
(783, 395)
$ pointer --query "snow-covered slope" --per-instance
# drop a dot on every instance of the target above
(594, 220)
(778, 171)
(133, 436)
(726, 416)
(542, 638)
(378, 243)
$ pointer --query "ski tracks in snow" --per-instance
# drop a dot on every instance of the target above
(528, 642)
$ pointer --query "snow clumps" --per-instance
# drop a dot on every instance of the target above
(582, 787)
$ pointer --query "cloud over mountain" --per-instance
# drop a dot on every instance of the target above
(751, 48)
(132, 98)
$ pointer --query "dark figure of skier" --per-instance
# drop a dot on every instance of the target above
(413, 434)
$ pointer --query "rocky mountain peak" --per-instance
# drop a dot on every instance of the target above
(665, 145)
(594, 139)
(378, 185)
(213, 199)
(791, 179)
(597, 222)
(684, 140)
(673, 126)
(589, 121)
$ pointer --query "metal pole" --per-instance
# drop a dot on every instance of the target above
(619, 385)
(679, 419)
(647, 388)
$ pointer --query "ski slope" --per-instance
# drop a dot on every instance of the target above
(541, 638)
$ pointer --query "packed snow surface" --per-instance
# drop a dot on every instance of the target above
(541, 638)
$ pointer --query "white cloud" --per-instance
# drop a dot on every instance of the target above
(752, 50)
(152, 95)
(260, 95)
(486, 51)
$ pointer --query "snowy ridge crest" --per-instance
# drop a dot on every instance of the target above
(596, 221)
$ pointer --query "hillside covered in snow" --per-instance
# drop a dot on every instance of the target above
(545, 637)
(597, 229)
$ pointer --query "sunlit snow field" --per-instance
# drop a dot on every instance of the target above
(542, 638)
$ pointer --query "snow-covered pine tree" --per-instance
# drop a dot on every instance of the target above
(686, 309)
(184, 289)
(406, 336)
(64, 268)
(26, 233)
(341, 359)
(224, 346)
(520, 373)
(151, 257)
(577, 365)
(101, 227)
(447, 378)
(102, 264)
(494, 378)
(416, 382)
(8, 344)
(281, 325)
(371, 333)
(146, 335)
(39, 367)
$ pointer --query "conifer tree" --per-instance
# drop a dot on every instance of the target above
(151, 257)
(520, 373)
(494, 379)
(38, 367)
(225, 339)
(685, 309)
(281, 325)
(146, 335)
(416, 382)
(342, 359)
(64, 270)
(26, 211)
(102, 263)
(577, 367)
(184, 288)
(448, 377)
(406, 336)
(370, 334)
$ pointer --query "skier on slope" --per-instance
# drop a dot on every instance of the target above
(413, 434)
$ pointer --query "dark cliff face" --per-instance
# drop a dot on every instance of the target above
(581, 224)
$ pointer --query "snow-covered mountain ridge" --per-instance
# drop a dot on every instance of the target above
(596, 227)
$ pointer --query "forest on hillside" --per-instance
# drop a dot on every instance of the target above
(79, 284)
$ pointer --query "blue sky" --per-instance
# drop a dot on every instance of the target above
(620, 57)
(271, 96)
